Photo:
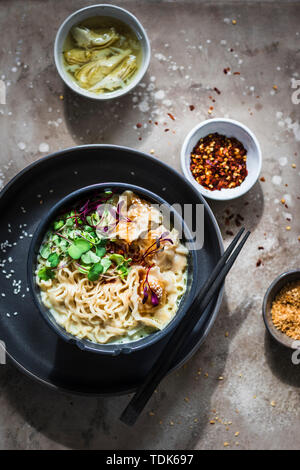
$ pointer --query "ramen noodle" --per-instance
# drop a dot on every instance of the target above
(110, 271)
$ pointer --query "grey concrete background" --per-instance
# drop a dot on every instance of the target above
(256, 403)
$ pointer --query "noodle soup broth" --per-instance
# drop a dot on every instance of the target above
(102, 54)
(109, 271)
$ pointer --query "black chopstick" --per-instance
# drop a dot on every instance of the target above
(179, 336)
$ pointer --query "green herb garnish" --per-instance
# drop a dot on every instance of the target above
(95, 272)
(123, 265)
(100, 251)
(78, 248)
(53, 259)
(45, 251)
(58, 224)
(106, 263)
(90, 257)
(46, 273)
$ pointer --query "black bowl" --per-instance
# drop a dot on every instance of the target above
(270, 295)
(111, 349)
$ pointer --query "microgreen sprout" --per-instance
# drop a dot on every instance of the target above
(147, 290)
(157, 244)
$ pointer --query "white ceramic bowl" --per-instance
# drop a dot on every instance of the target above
(108, 11)
(230, 128)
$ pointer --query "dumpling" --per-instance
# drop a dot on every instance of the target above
(84, 37)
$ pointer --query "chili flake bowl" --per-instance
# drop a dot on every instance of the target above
(272, 291)
(229, 128)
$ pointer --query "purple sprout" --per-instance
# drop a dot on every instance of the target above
(147, 289)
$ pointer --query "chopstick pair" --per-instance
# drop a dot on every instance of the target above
(196, 315)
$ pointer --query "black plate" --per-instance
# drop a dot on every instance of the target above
(30, 343)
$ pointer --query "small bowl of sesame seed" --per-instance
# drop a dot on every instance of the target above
(221, 158)
(281, 309)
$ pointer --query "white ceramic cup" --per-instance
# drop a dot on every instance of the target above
(230, 128)
(107, 11)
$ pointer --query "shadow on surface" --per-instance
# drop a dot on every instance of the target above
(92, 423)
(245, 211)
(91, 121)
(280, 362)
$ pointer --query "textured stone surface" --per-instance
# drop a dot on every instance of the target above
(192, 42)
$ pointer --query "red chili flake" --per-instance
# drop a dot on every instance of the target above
(226, 70)
(140, 138)
(156, 123)
(139, 125)
(167, 130)
(192, 107)
(171, 116)
(258, 263)
(263, 179)
(219, 162)
(236, 73)
(260, 248)
(217, 90)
